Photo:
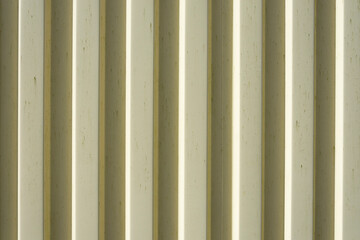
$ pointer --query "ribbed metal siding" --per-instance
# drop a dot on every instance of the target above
(181, 119)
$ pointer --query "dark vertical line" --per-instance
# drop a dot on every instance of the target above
(274, 126)
(156, 124)
(47, 120)
(209, 122)
(168, 103)
(263, 71)
(314, 122)
(102, 103)
(59, 104)
(114, 47)
(324, 123)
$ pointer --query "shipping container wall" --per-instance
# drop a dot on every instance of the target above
(179, 119)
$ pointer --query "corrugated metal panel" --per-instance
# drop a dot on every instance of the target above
(150, 119)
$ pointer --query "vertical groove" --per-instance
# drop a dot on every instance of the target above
(263, 117)
(156, 124)
(275, 119)
(59, 125)
(315, 120)
(168, 24)
(8, 119)
(221, 95)
(209, 124)
(102, 118)
(226, 94)
(47, 120)
(115, 57)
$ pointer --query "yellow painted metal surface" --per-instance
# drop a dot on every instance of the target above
(30, 109)
(179, 119)
(299, 119)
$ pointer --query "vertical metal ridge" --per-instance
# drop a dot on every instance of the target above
(139, 159)
(181, 128)
(85, 120)
(247, 119)
(235, 141)
(128, 73)
(339, 122)
(288, 119)
(8, 119)
(193, 91)
(299, 119)
(347, 120)
(73, 122)
(30, 119)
